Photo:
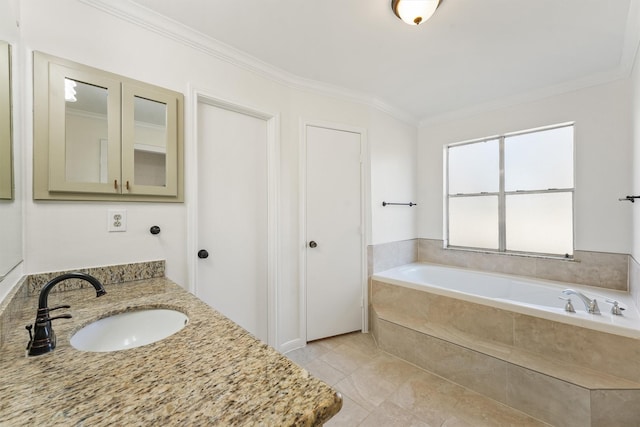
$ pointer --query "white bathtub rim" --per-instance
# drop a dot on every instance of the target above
(627, 325)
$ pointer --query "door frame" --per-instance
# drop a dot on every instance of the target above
(273, 197)
(303, 219)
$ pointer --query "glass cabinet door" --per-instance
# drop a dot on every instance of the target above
(84, 131)
(149, 141)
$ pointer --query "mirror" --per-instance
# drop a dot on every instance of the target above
(10, 204)
(6, 157)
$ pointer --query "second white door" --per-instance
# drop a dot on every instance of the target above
(334, 225)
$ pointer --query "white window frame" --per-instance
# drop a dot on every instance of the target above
(502, 195)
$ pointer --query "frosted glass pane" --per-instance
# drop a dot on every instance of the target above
(473, 222)
(540, 223)
(474, 168)
(539, 160)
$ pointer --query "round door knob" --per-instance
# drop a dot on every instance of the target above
(312, 244)
(202, 253)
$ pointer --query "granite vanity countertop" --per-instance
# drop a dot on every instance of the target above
(212, 372)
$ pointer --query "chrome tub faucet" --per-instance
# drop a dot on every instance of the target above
(43, 339)
(591, 305)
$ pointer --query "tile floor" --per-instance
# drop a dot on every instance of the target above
(382, 390)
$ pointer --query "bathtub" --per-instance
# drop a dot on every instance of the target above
(509, 338)
(534, 297)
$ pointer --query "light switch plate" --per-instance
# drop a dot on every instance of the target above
(116, 220)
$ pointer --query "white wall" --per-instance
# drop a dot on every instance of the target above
(603, 164)
(393, 179)
(635, 117)
(62, 235)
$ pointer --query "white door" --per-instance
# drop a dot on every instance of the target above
(232, 216)
(334, 248)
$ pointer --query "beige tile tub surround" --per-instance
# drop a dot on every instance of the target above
(522, 361)
(542, 396)
(393, 254)
(601, 269)
(621, 405)
(212, 372)
(509, 335)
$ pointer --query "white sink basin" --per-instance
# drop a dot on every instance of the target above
(129, 329)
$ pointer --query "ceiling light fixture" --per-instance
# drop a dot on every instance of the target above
(414, 12)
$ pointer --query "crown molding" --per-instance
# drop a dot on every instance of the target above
(152, 21)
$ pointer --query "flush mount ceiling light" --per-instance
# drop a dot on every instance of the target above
(414, 12)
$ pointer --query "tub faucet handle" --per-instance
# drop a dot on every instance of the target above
(568, 307)
(615, 308)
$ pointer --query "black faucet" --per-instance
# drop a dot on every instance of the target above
(43, 339)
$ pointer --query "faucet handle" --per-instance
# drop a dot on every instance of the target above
(615, 308)
(45, 311)
(62, 316)
(568, 307)
(43, 320)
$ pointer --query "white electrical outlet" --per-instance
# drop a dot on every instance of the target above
(116, 220)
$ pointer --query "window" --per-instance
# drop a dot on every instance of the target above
(512, 193)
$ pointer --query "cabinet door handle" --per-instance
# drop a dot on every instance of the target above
(115, 184)
(128, 186)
